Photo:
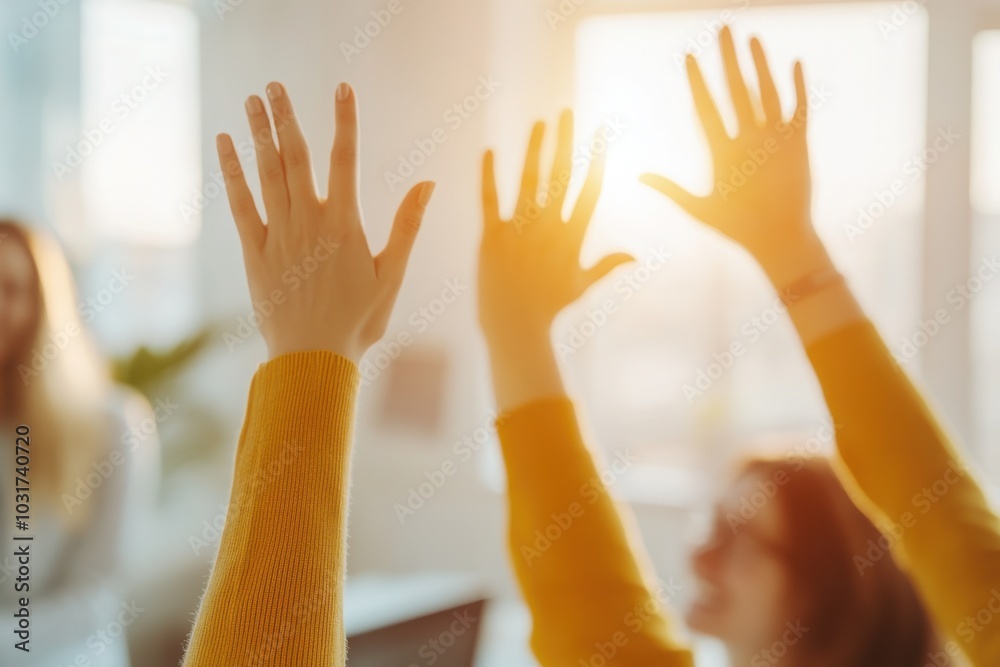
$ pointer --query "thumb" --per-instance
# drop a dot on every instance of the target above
(606, 266)
(694, 205)
(391, 262)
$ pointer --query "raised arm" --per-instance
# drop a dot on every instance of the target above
(275, 593)
(915, 482)
(573, 550)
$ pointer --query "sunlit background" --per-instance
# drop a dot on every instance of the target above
(107, 122)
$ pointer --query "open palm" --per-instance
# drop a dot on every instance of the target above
(761, 196)
(529, 266)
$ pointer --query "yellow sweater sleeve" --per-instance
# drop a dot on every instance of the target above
(275, 594)
(572, 550)
(927, 499)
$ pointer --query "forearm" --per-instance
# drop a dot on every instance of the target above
(575, 552)
(865, 390)
(904, 463)
(524, 366)
(274, 597)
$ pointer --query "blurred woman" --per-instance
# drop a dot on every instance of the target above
(793, 568)
(799, 582)
(89, 443)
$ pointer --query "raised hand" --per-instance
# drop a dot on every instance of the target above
(761, 196)
(529, 266)
(310, 261)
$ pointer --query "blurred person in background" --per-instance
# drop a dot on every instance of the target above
(89, 477)
(785, 584)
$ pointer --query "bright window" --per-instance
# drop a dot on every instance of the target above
(986, 241)
(139, 152)
(867, 132)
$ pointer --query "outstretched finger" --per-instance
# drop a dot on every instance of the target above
(390, 265)
(768, 92)
(292, 147)
(274, 190)
(708, 112)
(343, 186)
(491, 202)
(563, 164)
(248, 223)
(737, 85)
(529, 178)
(801, 96)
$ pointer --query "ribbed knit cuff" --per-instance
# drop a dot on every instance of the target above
(285, 541)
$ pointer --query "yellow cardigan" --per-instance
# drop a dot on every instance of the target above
(275, 594)
(594, 602)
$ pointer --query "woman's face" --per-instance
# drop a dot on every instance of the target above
(17, 303)
(742, 587)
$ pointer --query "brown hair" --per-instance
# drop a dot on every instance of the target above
(861, 612)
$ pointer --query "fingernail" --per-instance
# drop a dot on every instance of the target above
(220, 141)
(425, 193)
(255, 105)
(343, 92)
(275, 91)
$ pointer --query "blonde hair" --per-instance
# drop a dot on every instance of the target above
(55, 381)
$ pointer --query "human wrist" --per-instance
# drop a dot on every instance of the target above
(525, 369)
(514, 335)
(792, 263)
(281, 347)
